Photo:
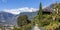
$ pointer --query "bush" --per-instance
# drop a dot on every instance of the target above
(52, 26)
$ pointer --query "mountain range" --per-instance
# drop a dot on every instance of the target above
(7, 18)
(11, 19)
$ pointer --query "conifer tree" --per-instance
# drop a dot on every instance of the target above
(40, 11)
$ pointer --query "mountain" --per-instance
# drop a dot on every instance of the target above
(11, 19)
(19, 10)
(52, 7)
(7, 18)
(29, 14)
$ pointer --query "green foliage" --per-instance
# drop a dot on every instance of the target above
(26, 27)
(24, 23)
(58, 18)
(40, 11)
(15, 28)
(22, 20)
(57, 6)
(47, 21)
(52, 26)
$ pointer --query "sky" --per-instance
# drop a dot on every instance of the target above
(24, 4)
(11, 4)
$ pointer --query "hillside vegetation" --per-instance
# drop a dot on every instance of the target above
(47, 21)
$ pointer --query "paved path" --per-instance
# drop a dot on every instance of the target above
(36, 27)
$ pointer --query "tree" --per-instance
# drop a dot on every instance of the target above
(40, 11)
(24, 23)
(22, 20)
(15, 28)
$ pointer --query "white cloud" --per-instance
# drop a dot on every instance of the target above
(13, 11)
(26, 9)
(19, 10)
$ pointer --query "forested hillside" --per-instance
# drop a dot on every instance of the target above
(47, 21)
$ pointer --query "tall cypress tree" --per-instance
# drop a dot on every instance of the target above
(40, 11)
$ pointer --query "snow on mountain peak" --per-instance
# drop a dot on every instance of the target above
(19, 10)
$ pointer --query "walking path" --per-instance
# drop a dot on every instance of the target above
(36, 27)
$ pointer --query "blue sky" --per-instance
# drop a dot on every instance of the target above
(12, 4)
